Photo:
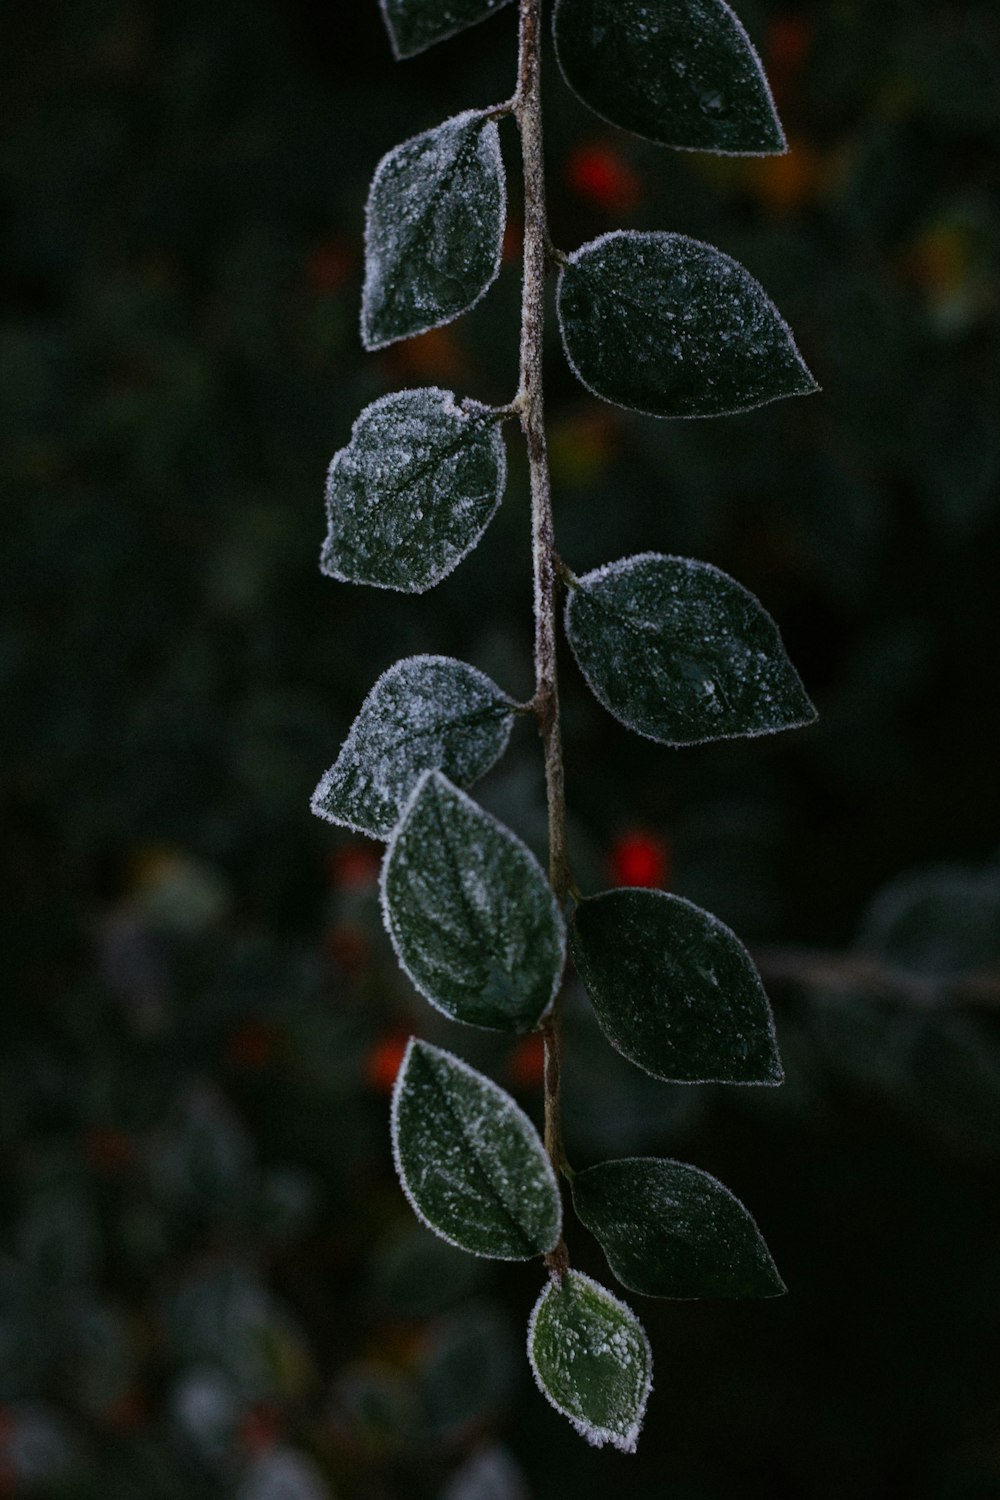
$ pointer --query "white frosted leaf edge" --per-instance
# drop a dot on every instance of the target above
(622, 565)
(466, 408)
(326, 781)
(744, 36)
(735, 411)
(491, 139)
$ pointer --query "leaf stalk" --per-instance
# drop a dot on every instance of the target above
(537, 253)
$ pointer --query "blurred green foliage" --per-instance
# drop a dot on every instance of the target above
(209, 1284)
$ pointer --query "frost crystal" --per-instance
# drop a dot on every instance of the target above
(433, 230)
(413, 491)
(470, 1161)
(426, 713)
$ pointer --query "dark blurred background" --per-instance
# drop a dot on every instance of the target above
(210, 1284)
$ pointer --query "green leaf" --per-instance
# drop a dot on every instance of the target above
(415, 25)
(682, 653)
(434, 229)
(674, 328)
(592, 1360)
(413, 491)
(680, 72)
(673, 989)
(469, 1159)
(471, 915)
(669, 1230)
(426, 713)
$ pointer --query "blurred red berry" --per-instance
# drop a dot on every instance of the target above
(526, 1064)
(513, 237)
(252, 1046)
(601, 175)
(348, 946)
(108, 1150)
(260, 1429)
(129, 1412)
(330, 265)
(355, 867)
(384, 1062)
(788, 42)
(639, 857)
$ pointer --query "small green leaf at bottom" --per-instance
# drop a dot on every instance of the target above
(670, 1230)
(469, 1159)
(592, 1360)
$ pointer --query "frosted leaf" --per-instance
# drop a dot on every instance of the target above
(426, 713)
(413, 491)
(937, 922)
(415, 25)
(669, 1230)
(282, 1474)
(470, 913)
(681, 653)
(680, 72)
(433, 229)
(674, 328)
(469, 1159)
(491, 1474)
(674, 990)
(592, 1360)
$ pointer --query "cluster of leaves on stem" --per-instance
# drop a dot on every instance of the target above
(673, 648)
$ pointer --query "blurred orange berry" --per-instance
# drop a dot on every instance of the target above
(639, 857)
(939, 259)
(581, 445)
(434, 355)
(601, 175)
(784, 183)
(253, 1045)
(526, 1064)
(384, 1062)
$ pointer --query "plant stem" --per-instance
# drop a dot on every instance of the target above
(528, 111)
